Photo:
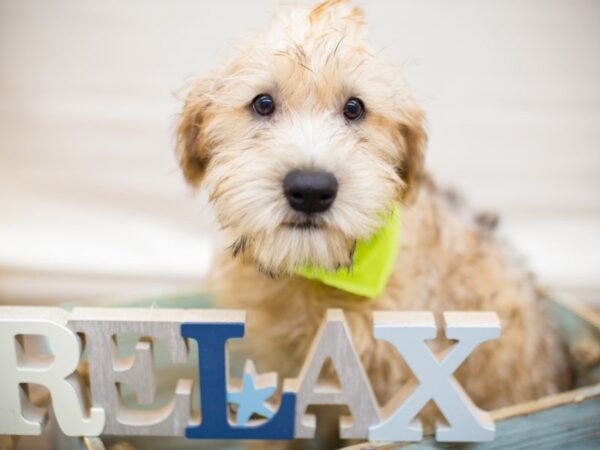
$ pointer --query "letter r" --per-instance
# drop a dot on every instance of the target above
(17, 415)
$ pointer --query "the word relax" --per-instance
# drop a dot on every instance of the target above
(226, 412)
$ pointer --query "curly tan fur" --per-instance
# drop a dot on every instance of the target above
(311, 61)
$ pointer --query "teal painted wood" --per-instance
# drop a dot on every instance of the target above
(572, 426)
(582, 338)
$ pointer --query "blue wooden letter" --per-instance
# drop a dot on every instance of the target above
(211, 338)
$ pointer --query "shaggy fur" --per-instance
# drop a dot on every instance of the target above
(311, 61)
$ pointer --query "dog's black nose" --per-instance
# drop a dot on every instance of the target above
(310, 192)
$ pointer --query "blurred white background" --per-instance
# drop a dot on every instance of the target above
(92, 204)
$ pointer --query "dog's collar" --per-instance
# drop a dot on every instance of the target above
(372, 264)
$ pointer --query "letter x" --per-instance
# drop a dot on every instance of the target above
(407, 332)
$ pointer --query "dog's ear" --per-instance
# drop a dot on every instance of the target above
(191, 140)
(414, 135)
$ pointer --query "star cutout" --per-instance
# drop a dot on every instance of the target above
(251, 397)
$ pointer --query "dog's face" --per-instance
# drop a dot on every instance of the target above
(304, 141)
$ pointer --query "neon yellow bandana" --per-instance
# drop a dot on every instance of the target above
(373, 263)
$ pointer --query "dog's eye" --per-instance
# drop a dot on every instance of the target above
(263, 105)
(354, 108)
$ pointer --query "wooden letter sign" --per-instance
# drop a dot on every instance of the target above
(245, 412)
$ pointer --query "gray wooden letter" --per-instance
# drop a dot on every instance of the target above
(108, 369)
(333, 341)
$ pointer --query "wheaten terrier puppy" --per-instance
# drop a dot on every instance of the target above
(308, 144)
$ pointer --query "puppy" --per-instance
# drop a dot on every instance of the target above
(306, 143)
